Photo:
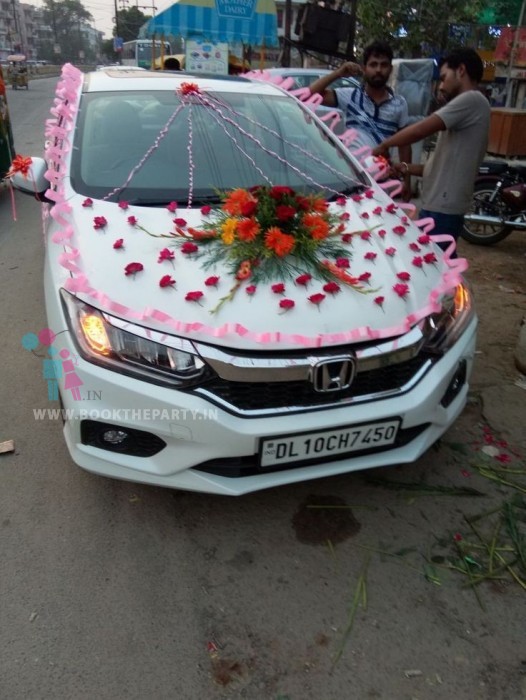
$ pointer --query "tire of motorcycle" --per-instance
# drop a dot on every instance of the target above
(486, 234)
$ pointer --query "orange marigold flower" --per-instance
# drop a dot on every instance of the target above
(318, 204)
(247, 229)
(236, 200)
(281, 243)
(318, 227)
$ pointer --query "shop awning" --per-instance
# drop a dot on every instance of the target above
(248, 21)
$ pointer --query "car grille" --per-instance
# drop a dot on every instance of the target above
(294, 396)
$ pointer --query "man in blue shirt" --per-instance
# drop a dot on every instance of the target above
(372, 109)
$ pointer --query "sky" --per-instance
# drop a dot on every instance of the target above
(103, 11)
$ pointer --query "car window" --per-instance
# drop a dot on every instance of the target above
(140, 140)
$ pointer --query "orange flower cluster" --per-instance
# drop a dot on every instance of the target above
(239, 203)
(281, 243)
(319, 228)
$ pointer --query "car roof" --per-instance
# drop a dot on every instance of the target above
(109, 80)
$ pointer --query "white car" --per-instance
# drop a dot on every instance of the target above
(237, 304)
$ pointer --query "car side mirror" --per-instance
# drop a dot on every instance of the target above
(34, 182)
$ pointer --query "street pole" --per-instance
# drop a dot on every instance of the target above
(285, 54)
(349, 52)
(513, 52)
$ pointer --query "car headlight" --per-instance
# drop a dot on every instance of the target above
(443, 329)
(111, 342)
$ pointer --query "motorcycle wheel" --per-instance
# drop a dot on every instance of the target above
(481, 233)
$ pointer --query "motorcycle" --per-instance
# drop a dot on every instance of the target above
(499, 203)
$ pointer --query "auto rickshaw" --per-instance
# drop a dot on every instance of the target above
(18, 71)
(7, 148)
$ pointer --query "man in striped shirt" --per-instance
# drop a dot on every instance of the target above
(372, 109)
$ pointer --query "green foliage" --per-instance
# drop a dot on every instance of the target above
(129, 23)
(65, 19)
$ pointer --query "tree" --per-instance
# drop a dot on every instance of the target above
(65, 19)
(418, 28)
(129, 23)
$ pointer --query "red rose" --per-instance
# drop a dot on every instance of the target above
(99, 222)
(345, 216)
(379, 300)
(172, 207)
(133, 268)
(377, 211)
(391, 208)
(401, 289)
(278, 288)
(365, 235)
(417, 261)
(286, 304)
(347, 237)
(382, 233)
(343, 263)
(356, 197)
(424, 239)
(87, 202)
(284, 212)
(369, 194)
(212, 281)
(399, 230)
(404, 276)
(331, 288)
(166, 281)
(304, 279)
(123, 205)
(249, 208)
(132, 220)
(365, 215)
(180, 222)
(370, 256)
(206, 210)
(278, 191)
(166, 254)
(251, 289)
(364, 277)
(414, 247)
(316, 298)
(390, 251)
(430, 258)
(188, 248)
(119, 243)
(194, 296)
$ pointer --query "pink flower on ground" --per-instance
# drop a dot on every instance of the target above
(99, 222)
(404, 276)
(390, 251)
(370, 256)
(278, 288)
(119, 243)
(316, 298)
(251, 289)
(166, 281)
(87, 202)
(212, 281)
(188, 248)
(286, 304)
(401, 289)
(180, 222)
(133, 267)
(343, 263)
(303, 279)
(331, 288)
(194, 296)
(132, 220)
(172, 207)
(123, 205)
(166, 254)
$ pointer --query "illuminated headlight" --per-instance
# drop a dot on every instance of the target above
(444, 328)
(110, 342)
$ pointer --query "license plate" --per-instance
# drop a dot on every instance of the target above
(327, 443)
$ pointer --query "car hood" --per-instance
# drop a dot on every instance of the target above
(402, 276)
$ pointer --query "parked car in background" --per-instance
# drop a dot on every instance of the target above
(234, 303)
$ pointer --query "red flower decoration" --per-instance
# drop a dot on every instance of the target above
(377, 211)
(251, 289)
(404, 276)
(172, 207)
(399, 230)
(430, 258)
(347, 238)
(364, 277)
(457, 537)
(365, 215)
(417, 261)
(369, 194)
(278, 191)
(391, 208)
(345, 216)
(424, 239)
(284, 212)
(340, 201)
(87, 202)
(414, 247)
(206, 210)
(286, 304)
(20, 164)
(316, 298)
(503, 458)
(401, 289)
(356, 197)
(331, 288)
(379, 301)
(123, 205)
(188, 248)
(132, 220)
(166, 254)
(278, 288)
(365, 235)
(304, 279)
(166, 281)
(248, 208)
(133, 268)
(189, 89)
(370, 256)
(382, 233)
(343, 263)
(180, 222)
(212, 281)
(194, 296)
(99, 222)
(119, 243)
(390, 251)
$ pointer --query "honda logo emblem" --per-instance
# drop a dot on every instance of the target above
(333, 374)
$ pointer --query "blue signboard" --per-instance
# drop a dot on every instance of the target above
(239, 9)
(117, 44)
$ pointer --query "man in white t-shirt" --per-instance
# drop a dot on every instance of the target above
(463, 123)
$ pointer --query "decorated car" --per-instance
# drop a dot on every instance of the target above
(235, 301)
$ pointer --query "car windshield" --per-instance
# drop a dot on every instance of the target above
(149, 148)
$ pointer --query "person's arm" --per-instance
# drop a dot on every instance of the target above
(412, 134)
(320, 86)
(405, 156)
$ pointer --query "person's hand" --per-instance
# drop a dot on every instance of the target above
(349, 69)
(380, 151)
(406, 193)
